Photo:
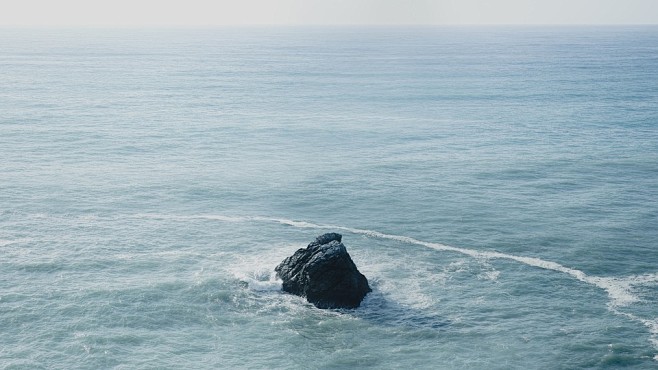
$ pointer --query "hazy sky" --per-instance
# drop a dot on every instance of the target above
(241, 12)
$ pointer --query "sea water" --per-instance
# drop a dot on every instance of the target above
(498, 186)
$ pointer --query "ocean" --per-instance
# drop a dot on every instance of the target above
(498, 186)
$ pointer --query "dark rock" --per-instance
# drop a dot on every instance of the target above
(325, 274)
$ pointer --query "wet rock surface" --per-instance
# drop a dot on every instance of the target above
(325, 274)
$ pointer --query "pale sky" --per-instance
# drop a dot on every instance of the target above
(323, 12)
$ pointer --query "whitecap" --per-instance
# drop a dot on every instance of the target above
(260, 279)
(257, 270)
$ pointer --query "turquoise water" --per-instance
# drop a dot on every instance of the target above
(498, 187)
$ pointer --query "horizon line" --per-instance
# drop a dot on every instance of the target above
(334, 25)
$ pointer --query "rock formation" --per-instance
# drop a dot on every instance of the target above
(325, 274)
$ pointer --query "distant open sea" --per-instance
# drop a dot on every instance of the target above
(498, 186)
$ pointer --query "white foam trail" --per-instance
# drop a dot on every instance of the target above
(159, 216)
(652, 325)
(619, 290)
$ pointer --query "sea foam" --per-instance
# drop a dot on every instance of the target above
(619, 289)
